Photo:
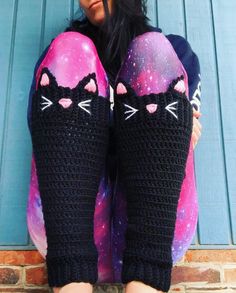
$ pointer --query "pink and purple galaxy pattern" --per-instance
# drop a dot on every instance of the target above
(150, 65)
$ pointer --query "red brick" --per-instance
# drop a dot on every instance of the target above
(174, 289)
(211, 255)
(210, 290)
(20, 257)
(31, 290)
(194, 274)
(230, 275)
(9, 275)
(36, 276)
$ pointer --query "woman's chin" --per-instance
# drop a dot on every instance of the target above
(98, 18)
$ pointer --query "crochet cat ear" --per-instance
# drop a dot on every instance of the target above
(89, 83)
(91, 86)
(178, 85)
(47, 78)
(123, 88)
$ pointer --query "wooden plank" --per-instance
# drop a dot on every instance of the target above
(171, 16)
(15, 168)
(76, 9)
(225, 34)
(55, 23)
(171, 19)
(152, 12)
(21, 45)
(214, 226)
(7, 18)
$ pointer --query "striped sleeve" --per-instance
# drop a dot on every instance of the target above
(191, 64)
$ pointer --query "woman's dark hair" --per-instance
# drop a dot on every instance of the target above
(112, 38)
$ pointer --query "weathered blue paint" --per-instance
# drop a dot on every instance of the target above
(26, 29)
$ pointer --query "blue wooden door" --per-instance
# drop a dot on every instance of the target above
(27, 27)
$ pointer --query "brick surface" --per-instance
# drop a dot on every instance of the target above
(109, 288)
(9, 275)
(177, 289)
(20, 257)
(208, 290)
(30, 290)
(198, 271)
(194, 274)
(104, 289)
(211, 255)
(202, 287)
(36, 275)
(230, 275)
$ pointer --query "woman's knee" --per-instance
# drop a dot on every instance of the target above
(147, 40)
(68, 41)
(72, 56)
(153, 63)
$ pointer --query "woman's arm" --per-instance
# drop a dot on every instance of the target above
(191, 64)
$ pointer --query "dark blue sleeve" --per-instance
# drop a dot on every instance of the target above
(33, 85)
(191, 64)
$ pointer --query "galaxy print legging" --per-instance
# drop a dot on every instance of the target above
(152, 124)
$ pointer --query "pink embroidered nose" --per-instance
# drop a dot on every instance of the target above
(151, 108)
(65, 102)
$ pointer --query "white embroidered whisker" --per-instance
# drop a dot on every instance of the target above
(170, 108)
(132, 111)
(47, 103)
(85, 104)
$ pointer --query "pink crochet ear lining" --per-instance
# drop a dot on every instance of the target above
(121, 89)
(44, 80)
(91, 86)
(180, 86)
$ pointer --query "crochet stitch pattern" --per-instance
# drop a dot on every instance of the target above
(70, 129)
(153, 134)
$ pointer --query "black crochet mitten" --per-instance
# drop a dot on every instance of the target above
(153, 134)
(70, 139)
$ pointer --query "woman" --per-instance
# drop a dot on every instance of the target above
(111, 25)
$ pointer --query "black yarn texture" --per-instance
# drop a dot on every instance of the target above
(69, 147)
(152, 151)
